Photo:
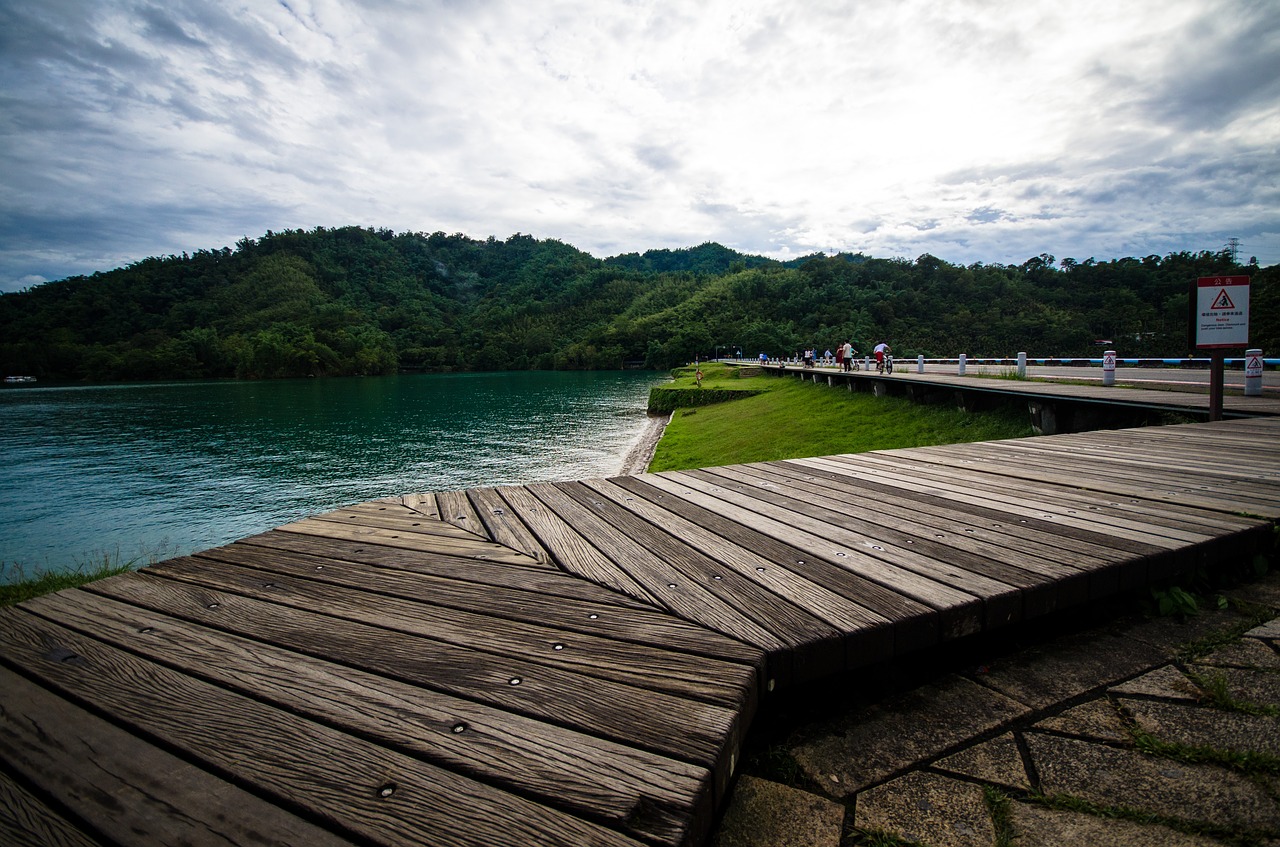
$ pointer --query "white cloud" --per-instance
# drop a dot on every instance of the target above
(979, 130)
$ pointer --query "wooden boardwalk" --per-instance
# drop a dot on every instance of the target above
(571, 663)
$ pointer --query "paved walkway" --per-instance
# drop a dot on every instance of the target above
(1120, 730)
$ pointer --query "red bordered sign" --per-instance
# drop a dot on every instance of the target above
(1222, 311)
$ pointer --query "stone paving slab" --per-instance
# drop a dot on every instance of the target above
(869, 746)
(1043, 676)
(1052, 724)
(1038, 826)
(1246, 653)
(1205, 727)
(929, 809)
(1095, 719)
(1167, 681)
(998, 762)
(1108, 776)
(764, 812)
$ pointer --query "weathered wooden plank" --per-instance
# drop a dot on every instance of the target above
(815, 647)
(634, 663)
(913, 624)
(602, 707)
(393, 516)
(422, 503)
(363, 788)
(568, 549)
(456, 509)
(868, 632)
(542, 578)
(559, 767)
(959, 613)
(640, 624)
(412, 541)
(875, 501)
(1139, 540)
(120, 784)
(504, 527)
(26, 821)
(1163, 519)
(1185, 491)
(672, 589)
(1045, 584)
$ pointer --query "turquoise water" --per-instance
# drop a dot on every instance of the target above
(145, 472)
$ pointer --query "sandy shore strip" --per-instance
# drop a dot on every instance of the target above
(641, 453)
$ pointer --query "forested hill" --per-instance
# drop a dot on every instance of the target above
(363, 301)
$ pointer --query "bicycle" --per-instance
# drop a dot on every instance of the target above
(885, 365)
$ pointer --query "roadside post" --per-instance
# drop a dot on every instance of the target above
(1220, 307)
(960, 367)
(920, 364)
(1253, 373)
(1022, 366)
(1109, 367)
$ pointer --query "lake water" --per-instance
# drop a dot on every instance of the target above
(145, 472)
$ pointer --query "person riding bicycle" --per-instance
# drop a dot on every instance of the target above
(882, 349)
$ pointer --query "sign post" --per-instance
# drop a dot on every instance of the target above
(1253, 373)
(1109, 367)
(1221, 322)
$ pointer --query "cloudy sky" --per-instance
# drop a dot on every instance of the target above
(975, 130)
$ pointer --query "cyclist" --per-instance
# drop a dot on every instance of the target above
(882, 350)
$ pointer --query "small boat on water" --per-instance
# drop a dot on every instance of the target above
(19, 379)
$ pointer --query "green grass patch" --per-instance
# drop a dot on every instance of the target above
(797, 418)
(17, 586)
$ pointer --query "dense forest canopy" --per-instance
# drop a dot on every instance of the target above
(354, 300)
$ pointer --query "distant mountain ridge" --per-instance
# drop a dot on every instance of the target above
(355, 300)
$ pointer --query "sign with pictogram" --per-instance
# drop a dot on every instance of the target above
(1108, 361)
(1222, 311)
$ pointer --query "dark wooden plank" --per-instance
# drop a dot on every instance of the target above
(549, 581)
(672, 589)
(559, 767)
(635, 663)
(1197, 499)
(629, 714)
(1046, 584)
(1134, 540)
(456, 509)
(959, 613)
(119, 784)
(27, 821)
(503, 526)
(568, 549)
(913, 625)
(412, 541)
(640, 624)
(867, 632)
(814, 647)
(360, 787)
(395, 516)
(424, 503)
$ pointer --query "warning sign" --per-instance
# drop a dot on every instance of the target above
(1222, 311)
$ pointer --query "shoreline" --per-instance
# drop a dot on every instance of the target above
(641, 453)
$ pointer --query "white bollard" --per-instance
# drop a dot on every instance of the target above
(1022, 366)
(960, 368)
(920, 364)
(866, 364)
(1253, 373)
(1109, 367)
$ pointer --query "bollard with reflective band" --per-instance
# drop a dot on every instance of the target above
(960, 367)
(1253, 373)
(1109, 367)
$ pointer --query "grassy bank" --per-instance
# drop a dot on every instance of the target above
(793, 418)
(25, 587)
